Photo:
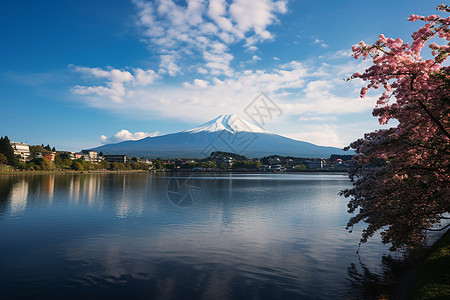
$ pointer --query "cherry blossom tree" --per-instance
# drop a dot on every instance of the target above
(401, 175)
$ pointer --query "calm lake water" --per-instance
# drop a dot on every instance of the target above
(147, 236)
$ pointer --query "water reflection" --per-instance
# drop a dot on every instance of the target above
(6, 184)
(18, 197)
(122, 235)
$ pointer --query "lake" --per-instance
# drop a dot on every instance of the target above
(200, 236)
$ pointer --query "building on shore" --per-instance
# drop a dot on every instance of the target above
(140, 160)
(90, 155)
(50, 156)
(67, 155)
(315, 163)
(116, 158)
(22, 150)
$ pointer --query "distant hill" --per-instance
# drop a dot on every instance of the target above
(227, 133)
(218, 154)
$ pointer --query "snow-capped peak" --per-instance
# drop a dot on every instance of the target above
(231, 123)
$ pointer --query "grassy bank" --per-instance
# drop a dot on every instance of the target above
(432, 280)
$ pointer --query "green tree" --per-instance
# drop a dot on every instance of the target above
(77, 166)
(207, 164)
(3, 159)
(89, 166)
(139, 166)
(46, 165)
(31, 166)
(189, 165)
(104, 164)
(157, 164)
(58, 161)
(245, 164)
(37, 149)
(117, 166)
(66, 163)
(7, 150)
(21, 165)
(169, 166)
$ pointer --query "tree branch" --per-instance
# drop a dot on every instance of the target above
(435, 120)
(440, 229)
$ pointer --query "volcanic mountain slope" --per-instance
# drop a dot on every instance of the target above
(227, 133)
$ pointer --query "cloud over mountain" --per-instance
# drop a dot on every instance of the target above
(125, 135)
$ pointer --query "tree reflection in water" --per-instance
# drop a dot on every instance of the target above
(385, 284)
(6, 185)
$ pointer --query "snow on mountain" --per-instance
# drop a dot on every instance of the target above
(231, 123)
(227, 133)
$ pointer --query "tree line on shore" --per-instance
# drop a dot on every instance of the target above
(61, 160)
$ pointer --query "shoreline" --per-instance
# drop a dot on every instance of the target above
(73, 172)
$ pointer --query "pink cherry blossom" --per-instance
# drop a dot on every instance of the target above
(401, 175)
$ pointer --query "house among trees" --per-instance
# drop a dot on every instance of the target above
(116, 158)
(90, 155)
(50, 156)
(67, 155)
(141, 160)
(21, 150)
(315, 163)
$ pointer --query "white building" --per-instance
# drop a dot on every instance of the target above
(89, 155)
(21, 149)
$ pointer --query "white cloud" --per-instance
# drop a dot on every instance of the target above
(202, 71)
(168, 64)
(299, 88)
(339, 133)
(317, 118)
(195, 29)
(218, 60)
(256, 15)
(320, 42)
(336, 54)
(216, 11)
(118, 82)
(323, 134)
(199, 83)
(145, 77)
(125, 135)
(115, 88)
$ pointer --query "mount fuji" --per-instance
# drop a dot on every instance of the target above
(228, 133)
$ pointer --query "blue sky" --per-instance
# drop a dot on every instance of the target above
(76, 74)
